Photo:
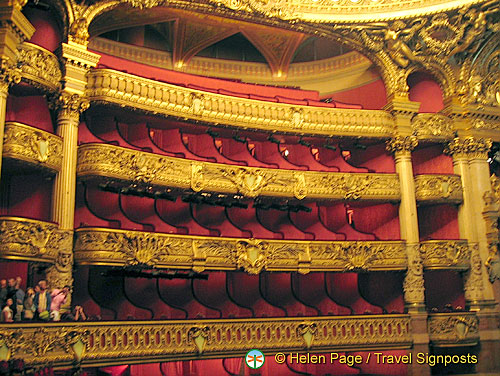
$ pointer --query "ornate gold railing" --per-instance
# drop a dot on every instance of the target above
(114, 87)
(438, 188)
(157, 170)
(105, 343)
(98, 246)
(453, 329)
(32, 145)
(445, 254)
(32, 240)
(40, 67)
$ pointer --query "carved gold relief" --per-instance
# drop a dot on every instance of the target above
(402, 144)
(432, 126)
(113, 87)
(102, 160)
(32, 145)
(413, 286)
(476, 148)
(474, 279)
(438, 188)
(32, 240)
(453, 329)
(445, 254)
(39, 67)
(118, 247)
(198, 339)
(70, 105)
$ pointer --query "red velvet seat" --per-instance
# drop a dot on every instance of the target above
(268, 152)
(334, 217)
(301, 155)
(311, 223)
(334, 159)
(374, 158)
(381, 220)
(178, 214)
(279, 222)
(246, 220)
(238, 152)
(215, 220)
(138, 136)
(203, 145)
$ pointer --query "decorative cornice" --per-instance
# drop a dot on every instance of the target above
(99, 246)
(116, 88)
(32, 145)
(63, 344)
(77, 55)
(438, 188)
(32, 240)
(432, 126)
(445, 254)
(39, 67)
(402, 144)
(453, 329)
(471, 147)
(129, 165)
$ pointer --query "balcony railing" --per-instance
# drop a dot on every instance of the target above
(106, 343)
(99, 246)
(33, 146)
(39, 67)
(453, 329)
(445, 254)
(438, 188)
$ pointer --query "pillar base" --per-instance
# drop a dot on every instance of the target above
(415, 307)
(481, 305)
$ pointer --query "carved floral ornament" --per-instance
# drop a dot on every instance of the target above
(39, 67)
(438, 188)
(115, 247)
(449, 329)
(469, 146)
(402, 144)
(429, 126)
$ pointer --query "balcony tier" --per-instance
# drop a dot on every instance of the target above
(107, 343)
(40, 67)
(98, 246)
(446, 254)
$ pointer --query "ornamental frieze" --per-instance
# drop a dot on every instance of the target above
(453, 329)
(111, 87)
(32, 240)
(64, 344)
(127, 165)
(120, 247)
(438, 188)
(32, 145)
(39, 67)
(445, 254)
(432, 126)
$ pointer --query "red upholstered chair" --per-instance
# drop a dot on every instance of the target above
(246, 220)
(311, 290)
(311, 223)
(277, 290)
(178, 214)
(215, 220)
(343, 288)
(279, 222)
(244, 290)
(213, 293)
(334, 216)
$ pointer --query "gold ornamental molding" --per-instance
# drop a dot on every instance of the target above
(111, 87)
(433, 126)
(438, 188)
(32, 240)
(100, 246)
(116, 163)
(453, 329)
(108, 343)
(39, 67)
(32, 145)
(445, 254)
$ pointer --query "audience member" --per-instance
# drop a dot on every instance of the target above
(11, 294)
(79, 314)
(58, 298)
(42, 302)
(19, 302)
(3, 292)
(28, 304)
(7, 313)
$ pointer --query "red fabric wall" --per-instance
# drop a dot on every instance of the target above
(424, 89)
(371, 96)
(47, 33)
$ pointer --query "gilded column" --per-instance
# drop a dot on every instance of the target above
(14, 30)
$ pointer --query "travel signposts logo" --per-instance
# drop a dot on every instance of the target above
(254, 359)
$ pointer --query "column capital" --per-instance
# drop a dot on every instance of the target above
(77, 61)
(69, 104)
(9, 75)
(471, 147)
(401, 144)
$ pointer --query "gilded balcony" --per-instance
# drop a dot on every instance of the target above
(39, 67)
(446, 254)
(439, 188)
(107, 343)
(127, 165)
(99, 246)
(32, 146)
(453, 329)
(109, 86)
(32, 240)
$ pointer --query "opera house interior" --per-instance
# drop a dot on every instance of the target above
(185, 181)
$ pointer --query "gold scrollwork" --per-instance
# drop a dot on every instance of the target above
(438, 188)
(33, 240)
(39, 67)
(471, 147)
(32, 145)
(120, 247)
(453, 329)
(102, 160)
(402, 144)
(432, 126)
(445, 254)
